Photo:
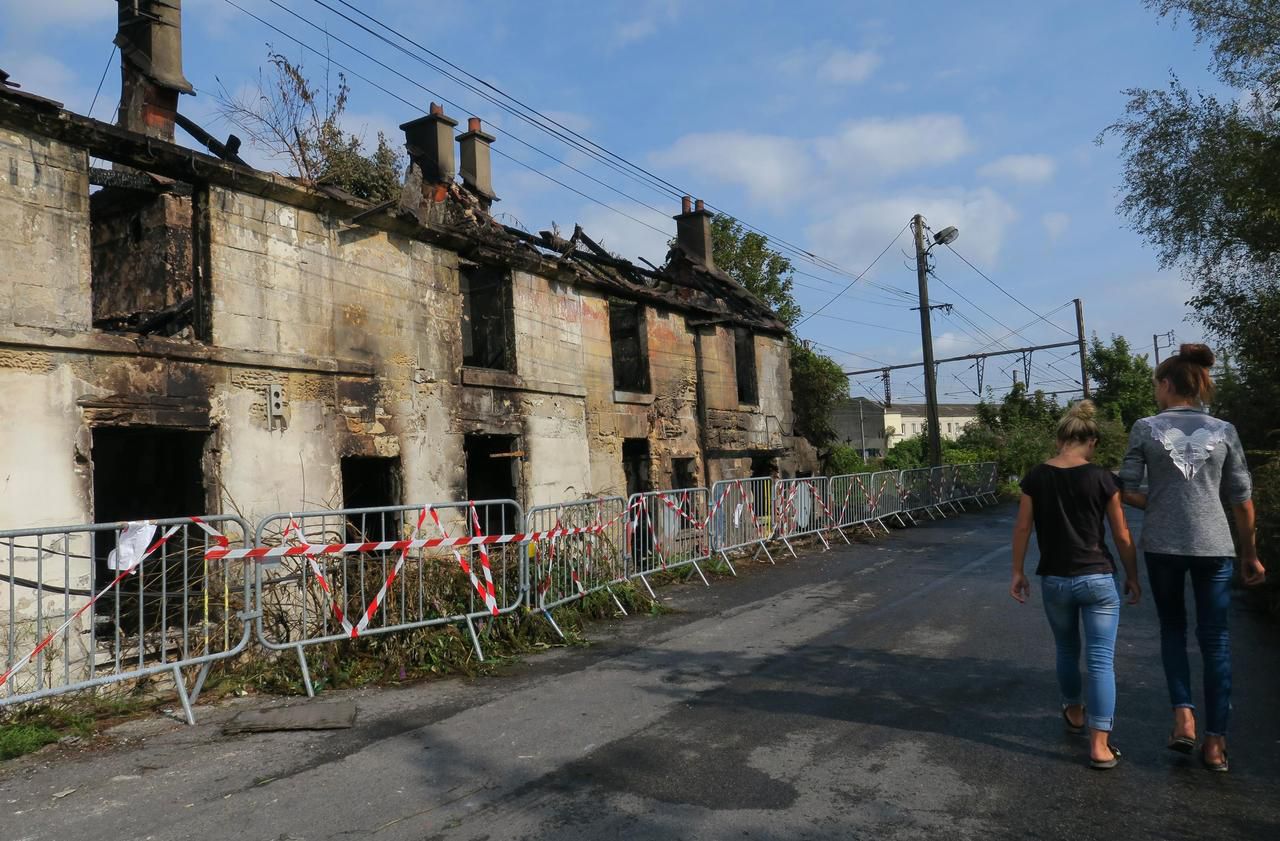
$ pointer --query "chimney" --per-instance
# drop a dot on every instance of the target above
(477, 172)
(149, 35)
(429, 140)
(693, 231)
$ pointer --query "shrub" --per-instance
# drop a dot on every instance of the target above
(844, 459)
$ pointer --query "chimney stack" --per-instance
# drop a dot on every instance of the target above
(693, 231)
(149, 35)
(477, 172)
(429, 140)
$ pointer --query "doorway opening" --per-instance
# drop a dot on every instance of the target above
(493, 463)
(635, 465)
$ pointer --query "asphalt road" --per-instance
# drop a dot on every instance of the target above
(889, 690)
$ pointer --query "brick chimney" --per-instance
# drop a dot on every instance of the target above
(477, 172)
(429, 140)
(149, 35)
(693, 231)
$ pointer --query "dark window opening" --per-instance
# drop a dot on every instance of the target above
(488, 337)
(635, 465)
(147, 473)
(744, 351)
(630, 346)
(683, 474)
(762, 466)
(149, 256)
(371, 482)
(493, 472)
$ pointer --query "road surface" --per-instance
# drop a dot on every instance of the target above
(889, 690)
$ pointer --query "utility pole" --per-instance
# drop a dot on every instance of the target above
(1084, 367)
(926, 341)
(1155, 342)
(862, 430)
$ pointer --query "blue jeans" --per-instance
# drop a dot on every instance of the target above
(1093, 599)
(1211, 588)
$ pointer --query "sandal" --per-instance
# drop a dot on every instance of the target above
(1220, 767)
(1074, 729)
(1106, 764)
(1181, 744)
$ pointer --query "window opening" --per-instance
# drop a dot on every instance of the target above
(488, 336)
(629, 345)
(683, 474)
(635, 465)
(149, 255)
(744, 346)
(493, 465)
(371, 482)
(146, 473)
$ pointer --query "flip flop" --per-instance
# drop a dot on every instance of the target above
(1073, 729)
(1106, 764)
(1181, 744)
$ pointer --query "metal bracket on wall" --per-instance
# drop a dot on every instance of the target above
(275, 407)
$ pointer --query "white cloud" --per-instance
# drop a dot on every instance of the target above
(45, 76)
(60, 13)
(649, 17)
(1023, 169)
(848, 67)
(882, 146)
(772, 168)
(855, 232)
(1055, 224)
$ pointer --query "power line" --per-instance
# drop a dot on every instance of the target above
(850, 284)
(101, 80)
(1006, 292)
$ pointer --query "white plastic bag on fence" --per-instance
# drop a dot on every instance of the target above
(132, 546)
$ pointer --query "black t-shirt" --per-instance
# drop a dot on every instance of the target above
(1070, 506)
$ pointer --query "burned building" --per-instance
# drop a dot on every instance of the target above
(181, 333)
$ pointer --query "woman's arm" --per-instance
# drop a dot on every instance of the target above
(1020, 588)
(1135, 464)
(1246, 530)
(1124, 543)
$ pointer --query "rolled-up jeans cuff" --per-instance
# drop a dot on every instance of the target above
(1184, 706)
(1098, 723)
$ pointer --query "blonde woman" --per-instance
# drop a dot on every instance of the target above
(1067, 500)
(1193, 462)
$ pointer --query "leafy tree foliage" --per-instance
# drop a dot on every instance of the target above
(291, 119)
(1202, 184)
(1123, 388)
(843, 459)
(746, 257)
(817, 381)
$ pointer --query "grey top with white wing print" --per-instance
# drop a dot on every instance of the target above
(1194, 462)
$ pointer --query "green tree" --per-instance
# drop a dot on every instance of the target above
(290, 118)
(1122, 381)
(817, 381)
(1202, 185)
(746, 257)
(842, 460)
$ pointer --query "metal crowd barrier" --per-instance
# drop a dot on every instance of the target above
(180, 593)
(317, 597)
(668, 530)
(801, 508)
(742, 515)
(852, 502)
(101, 604)
(567, 568)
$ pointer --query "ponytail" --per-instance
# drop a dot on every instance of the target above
(1187, 372)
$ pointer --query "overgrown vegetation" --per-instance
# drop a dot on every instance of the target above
(292, 119)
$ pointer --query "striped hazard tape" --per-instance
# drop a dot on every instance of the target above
(486, 593)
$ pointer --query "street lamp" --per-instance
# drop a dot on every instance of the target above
(946, 236)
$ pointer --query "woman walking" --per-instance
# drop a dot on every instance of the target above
(1193, 461)
(1067, 499)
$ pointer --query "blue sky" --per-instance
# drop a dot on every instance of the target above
(825, 124)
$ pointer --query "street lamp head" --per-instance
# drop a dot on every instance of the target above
(947, 235)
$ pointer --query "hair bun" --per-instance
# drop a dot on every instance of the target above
(1083, 409)
(1198, 354)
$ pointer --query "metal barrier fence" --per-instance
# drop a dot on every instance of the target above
(568, 567)
(334, 570)
(851, 500)
(801, 508)
(100, 604)
(741, 515)
(668, 530)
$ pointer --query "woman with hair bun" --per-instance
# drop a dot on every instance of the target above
(1193, 462)
(1066, 500)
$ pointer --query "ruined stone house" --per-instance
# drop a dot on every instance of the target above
(181, 333)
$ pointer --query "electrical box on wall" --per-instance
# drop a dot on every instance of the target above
(275, 407)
